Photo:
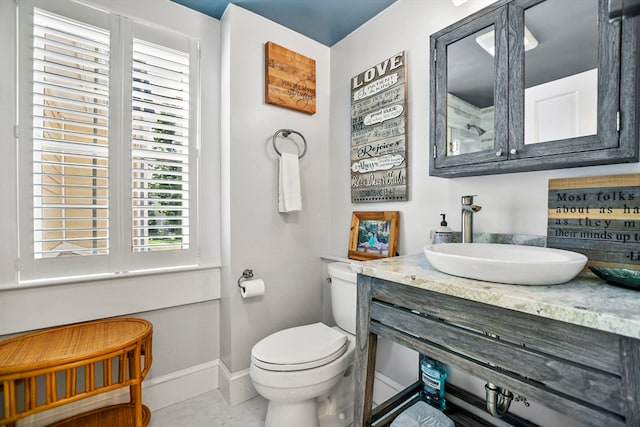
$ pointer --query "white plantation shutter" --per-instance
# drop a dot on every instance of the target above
(160, 148)
(107, 144)
(70, 137)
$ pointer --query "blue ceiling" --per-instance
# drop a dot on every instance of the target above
(326, 21)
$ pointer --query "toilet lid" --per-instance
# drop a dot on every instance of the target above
(302, 347)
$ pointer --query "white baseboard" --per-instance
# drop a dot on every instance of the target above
(184, 384)
(237, 387)
(61, 412)
(157, 393)
(180, 385)
(384, 388)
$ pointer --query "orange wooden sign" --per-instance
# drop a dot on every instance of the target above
(290, 79)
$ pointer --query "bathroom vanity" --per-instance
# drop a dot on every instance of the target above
(574, 347)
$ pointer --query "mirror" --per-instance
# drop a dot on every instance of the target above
(470, 101)
(560, 70)
(525, 85)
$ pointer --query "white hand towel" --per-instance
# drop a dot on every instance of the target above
(289, 195)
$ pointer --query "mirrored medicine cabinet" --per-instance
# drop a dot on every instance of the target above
(533, 84)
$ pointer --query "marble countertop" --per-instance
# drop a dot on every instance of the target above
(586, 300)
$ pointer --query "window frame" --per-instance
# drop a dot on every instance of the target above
(120, 259)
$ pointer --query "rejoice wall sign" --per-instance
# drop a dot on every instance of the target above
(378, 132)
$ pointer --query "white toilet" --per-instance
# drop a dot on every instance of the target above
(306, 372)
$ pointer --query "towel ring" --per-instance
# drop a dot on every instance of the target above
(286, 133)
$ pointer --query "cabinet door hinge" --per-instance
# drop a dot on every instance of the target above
(618, 121)
(435, 151)
(435, 55)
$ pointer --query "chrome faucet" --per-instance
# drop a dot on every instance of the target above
(466, 227)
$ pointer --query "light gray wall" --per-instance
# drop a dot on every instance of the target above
(9, 248)
(183, 306)
(282, 249)
(184, 336)
(511, 203)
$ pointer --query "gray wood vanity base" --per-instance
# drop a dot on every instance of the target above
(573, 347)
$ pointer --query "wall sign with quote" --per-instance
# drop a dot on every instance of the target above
(378, 132)
(598, 217)
(290, 79)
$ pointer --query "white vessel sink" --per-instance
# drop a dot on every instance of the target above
(513, 264)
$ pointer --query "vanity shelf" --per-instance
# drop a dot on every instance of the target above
(553, 345)
(384, 414)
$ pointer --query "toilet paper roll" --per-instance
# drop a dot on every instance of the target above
(252, 288)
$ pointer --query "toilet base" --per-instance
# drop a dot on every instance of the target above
(343, 418)
(303, 413)
(336, 408)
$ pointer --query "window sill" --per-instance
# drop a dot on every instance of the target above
(104, 276)
(32, 306)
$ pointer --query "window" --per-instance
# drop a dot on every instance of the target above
(160, 148)
(70, 137)
(107, 143)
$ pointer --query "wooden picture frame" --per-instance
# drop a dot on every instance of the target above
(373, 235)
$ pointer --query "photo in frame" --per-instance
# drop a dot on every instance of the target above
(373, 235)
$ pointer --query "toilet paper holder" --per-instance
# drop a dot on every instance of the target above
(246, 275)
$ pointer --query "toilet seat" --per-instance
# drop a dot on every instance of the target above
(299, 348)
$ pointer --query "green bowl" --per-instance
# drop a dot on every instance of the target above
(619, 276)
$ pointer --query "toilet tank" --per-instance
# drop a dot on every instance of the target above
(343, 295)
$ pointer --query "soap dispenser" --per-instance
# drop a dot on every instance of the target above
(443, 234)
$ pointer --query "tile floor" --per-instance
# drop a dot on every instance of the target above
(211, 410)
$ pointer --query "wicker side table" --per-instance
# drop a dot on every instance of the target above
(46, 369)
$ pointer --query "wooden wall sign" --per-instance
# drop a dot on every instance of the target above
(290, 79)
(598, 217)
(378, 132)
